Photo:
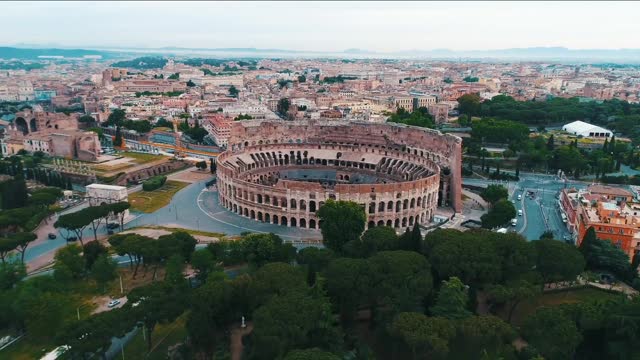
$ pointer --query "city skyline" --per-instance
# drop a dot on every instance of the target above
(323, 26)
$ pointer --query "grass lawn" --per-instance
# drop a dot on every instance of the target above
(141, 158)
(528, 307)
(150, 201)
(163, 336)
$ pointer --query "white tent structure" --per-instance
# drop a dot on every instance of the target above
(584, 129)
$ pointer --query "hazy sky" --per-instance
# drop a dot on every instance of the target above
(324, 26)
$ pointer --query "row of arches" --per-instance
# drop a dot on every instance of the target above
(301, 204)
(406, 204)
(292, 221)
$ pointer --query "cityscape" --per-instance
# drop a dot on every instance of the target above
(198, 180)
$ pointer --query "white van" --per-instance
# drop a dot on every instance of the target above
(514, 222)
(519, 212)
(519, 196)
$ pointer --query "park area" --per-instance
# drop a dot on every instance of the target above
(150, 201)
(554, 298)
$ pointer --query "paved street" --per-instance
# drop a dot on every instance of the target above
(541, 213)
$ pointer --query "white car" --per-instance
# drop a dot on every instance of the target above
(519, 197)
(519, 212)
(514, 222)
(113, 303)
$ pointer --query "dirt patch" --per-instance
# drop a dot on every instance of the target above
(192, 175)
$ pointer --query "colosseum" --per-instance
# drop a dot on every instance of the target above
(282, 172)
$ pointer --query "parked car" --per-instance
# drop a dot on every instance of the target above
(52, 236)
(113, 225)
(72, 238)
(113, 303)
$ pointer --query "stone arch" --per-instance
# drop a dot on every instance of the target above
(396, 223)
(253, 215)
(293, 204)
(260, 216)
(390, 206)
(33, 125)
(303, 223)
(259, 198)
(410, 220)
(246, 212)
(381, 206)
(419, 204)
(312, 206)
(283, 221)
(372, 208)
(380, 223)
(283, 202)
(371, 224)
(404, 222)
(398, 206)
(389, 223)
(293, 222)
(405, 204)
(275, 219)
(312, 224)
(303, 204)
(21, 125)
(412, 204)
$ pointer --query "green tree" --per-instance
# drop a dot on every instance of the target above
(233, 91)
(283, 106)
(261, 248)
(190, 83)
(294, 321)
(378, 238)
(512, 293)
(158, 302)
(91, 251)
(485, 334)
(341, 221)
(558, 261)
(499, 214)
(71, 258)
(349, 285)
(469, 104)
(552, 332)
(104, 270)
(175, 76)
(452, 300)
(493, 193)
(311, 354)
(118, 139)
(116, 118)
(423, 335)
(87, 119)
(203, 262)
(22, 241)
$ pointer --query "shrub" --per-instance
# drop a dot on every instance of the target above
(154, 183)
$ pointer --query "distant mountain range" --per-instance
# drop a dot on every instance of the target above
(21, 51)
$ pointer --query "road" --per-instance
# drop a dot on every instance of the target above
(540, 214)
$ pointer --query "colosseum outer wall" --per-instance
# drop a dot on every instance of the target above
(443, 149)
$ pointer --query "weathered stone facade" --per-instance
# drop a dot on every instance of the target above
(408, 171)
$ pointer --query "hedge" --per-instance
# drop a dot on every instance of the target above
(154, 183)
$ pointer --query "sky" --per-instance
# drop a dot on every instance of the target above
(323, 26)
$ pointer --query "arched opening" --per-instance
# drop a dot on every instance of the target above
(390, 206)
(275, 219)
(312, 224)
(246, 212)
(410, 220)
(389, 223)
(404, 222)
(381, 223)
(267, 218)
(259, 215)
(419, 202)
(381, 206)
(283, 221)
(293, 204)
(398, 205)
(303, 205)
(253, 214)
(303, 223)
(371, 224)
(412, 204)
(21, 125)
(396, 223)
(405, 204)
(259, 199)
(372, 208)
(33, 125)
(293, 222)
(312, 206)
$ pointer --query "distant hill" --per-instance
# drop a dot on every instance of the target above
(33, 54)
